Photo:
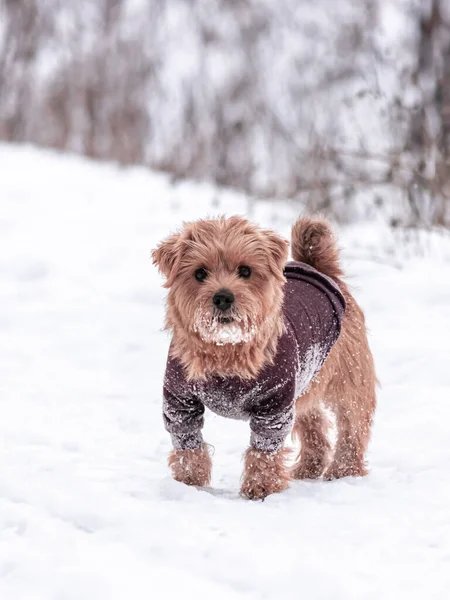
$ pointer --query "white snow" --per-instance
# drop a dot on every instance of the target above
(211, 329)
(87, 508)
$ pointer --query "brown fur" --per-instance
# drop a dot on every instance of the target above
(192, 467)
(312, 242)
(346, 383)
(311, 429)
(264, 473)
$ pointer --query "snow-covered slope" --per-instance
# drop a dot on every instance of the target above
(87, 509)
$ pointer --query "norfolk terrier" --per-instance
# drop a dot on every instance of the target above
(257, 338)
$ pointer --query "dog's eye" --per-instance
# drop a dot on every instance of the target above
(244, 271)
(201, 274)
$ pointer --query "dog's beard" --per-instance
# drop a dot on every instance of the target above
(220, 329)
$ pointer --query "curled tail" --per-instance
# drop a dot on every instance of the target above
(313, 242)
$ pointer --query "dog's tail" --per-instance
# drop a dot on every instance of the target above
(313, 242)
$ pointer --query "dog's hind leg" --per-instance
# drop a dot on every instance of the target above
(354, 420)
(311, 429)
(350, 392)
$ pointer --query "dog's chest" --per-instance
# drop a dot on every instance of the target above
(231, 398)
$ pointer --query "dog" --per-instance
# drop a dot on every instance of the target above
(260, 339)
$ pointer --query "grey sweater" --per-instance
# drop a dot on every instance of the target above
(313, 308)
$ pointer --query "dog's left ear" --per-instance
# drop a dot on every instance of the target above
(277, 248)
(166, 256)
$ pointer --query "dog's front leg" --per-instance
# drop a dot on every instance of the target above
(189, 460)
(191, 466)
(265, 462)
(264, 473)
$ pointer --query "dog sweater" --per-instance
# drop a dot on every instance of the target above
(313, 308)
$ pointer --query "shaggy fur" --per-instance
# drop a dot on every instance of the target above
(311, 429)
(346, 382)
(264, 473)
(192, 467)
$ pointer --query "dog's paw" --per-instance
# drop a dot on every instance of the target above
(308, 469)
(258, 490)
(339, 471)
(265, 473)
(192, 467)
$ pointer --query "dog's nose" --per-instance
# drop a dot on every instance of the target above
(223, 299)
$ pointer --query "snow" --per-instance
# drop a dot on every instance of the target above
(211, 329)
(87, 507)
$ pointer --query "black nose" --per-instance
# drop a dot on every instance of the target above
(223, 299)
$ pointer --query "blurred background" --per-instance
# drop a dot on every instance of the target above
(340, 106)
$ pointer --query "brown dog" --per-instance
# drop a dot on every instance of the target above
(254, 338)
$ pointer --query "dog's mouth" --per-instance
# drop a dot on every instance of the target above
(223, 320)
(223, 329)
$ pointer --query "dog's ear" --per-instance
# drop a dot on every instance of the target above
(277, 249)
(167, 256)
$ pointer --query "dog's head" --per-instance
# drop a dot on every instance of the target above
(225, 279)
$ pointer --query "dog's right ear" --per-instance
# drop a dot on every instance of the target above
(167, 256)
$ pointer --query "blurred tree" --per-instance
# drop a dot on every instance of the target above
(341, 106)
(429, 140)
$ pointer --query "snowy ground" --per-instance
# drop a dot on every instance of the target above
(87, 509)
